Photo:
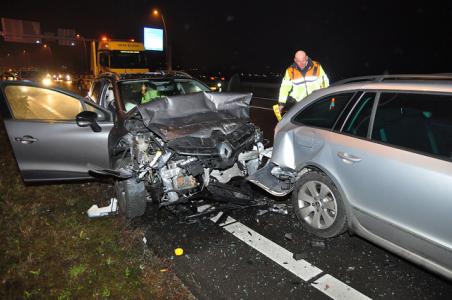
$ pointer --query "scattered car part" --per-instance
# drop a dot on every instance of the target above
(111, 209)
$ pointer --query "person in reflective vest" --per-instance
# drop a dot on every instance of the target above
(300, 79)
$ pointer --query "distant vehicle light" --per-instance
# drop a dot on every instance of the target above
(222, 78)
(212, 78)
(219, 84)
(47, 81)
(68, 77)
(213, 88)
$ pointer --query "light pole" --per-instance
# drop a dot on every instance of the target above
(157, 13)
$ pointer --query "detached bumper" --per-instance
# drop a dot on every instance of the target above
(264, 179)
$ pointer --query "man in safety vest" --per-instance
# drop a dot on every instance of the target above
(302, 78)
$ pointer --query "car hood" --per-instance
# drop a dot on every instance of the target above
(196, 115)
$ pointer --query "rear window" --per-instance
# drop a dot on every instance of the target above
(419, 122)
(324, 112)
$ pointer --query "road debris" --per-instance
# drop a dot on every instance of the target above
(179, 251)
(261, 212)
(279, 208)
(289, 236)
(317, 244)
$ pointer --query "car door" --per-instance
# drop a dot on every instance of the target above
(397, 171)
(47, 142)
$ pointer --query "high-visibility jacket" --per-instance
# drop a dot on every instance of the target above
(299, 83)
(149, 95)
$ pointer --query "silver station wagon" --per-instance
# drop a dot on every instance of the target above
(372, 155)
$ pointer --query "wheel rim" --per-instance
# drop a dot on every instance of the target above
(317, 204)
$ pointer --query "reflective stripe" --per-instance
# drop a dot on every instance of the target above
(304, 81)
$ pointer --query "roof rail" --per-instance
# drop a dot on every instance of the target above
(173, 72)
(381, 78)
(109, 74)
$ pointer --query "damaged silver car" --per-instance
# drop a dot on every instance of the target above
(166, 151)
(372, 155)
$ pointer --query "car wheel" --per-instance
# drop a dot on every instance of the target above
(131, 197)
(131, 194)
(318, 205)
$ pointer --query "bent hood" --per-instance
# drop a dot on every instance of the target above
(196, 114)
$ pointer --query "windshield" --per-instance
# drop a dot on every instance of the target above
(127, 60)
(143, 91)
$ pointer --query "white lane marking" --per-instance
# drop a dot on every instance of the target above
(336, 289)
(327, 284)
(278, 254)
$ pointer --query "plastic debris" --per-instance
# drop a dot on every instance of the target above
(289, 236)
(279, 208)
(96, 212)
(318, 244)
(163, 270)
(261, 212)
(179, 251)
(145, 241)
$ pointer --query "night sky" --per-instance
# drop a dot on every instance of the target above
(348, 38)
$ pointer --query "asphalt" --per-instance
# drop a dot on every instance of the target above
(217, 265)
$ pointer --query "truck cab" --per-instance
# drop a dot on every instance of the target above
(119, 57)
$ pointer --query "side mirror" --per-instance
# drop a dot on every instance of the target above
(88, 118)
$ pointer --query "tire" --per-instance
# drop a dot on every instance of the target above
(131, 195)
(318, 205)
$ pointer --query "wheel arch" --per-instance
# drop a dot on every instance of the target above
(348, 207)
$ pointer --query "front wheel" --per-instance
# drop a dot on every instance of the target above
(319, 206)
(131, 197)
(131, 194)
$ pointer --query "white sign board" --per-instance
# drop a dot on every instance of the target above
(153, 39)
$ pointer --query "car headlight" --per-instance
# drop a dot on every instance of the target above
(47, 81)
(68, 77)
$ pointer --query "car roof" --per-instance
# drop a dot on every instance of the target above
(148, 75)
(400, 82)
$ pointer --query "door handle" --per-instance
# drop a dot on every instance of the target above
(26, 139)
(348, 158)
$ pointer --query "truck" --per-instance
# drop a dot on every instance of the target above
(117, 57)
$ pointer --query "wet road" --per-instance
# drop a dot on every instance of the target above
(218, 265)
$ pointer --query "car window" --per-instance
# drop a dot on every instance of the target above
(420, 122)
(95, 91)
(33, 103)
(358, 122)
(101, 115)
(324, 112)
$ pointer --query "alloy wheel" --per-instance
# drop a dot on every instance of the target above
(317, 204)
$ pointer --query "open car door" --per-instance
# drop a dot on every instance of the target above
(48, 143)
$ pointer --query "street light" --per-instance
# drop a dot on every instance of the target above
(157, 13)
